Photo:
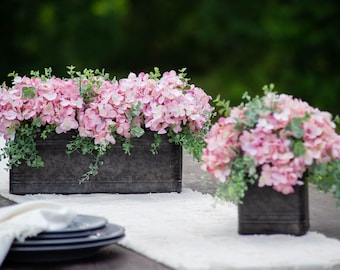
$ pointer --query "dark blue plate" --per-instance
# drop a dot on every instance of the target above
(65, 250)
(110, 231)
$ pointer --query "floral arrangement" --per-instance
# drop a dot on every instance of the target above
(274, 140)
(102, 111)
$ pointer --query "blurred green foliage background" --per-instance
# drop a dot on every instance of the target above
(228, 46)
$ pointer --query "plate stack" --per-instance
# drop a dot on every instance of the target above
(82, 238)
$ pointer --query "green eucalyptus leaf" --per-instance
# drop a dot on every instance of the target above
(156, 74)
(298, 148)
(36, 122)
(127, 146)
(28, 92)
(137, 132)
(156, 144)
(295, 126)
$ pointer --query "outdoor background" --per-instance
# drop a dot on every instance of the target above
(228, 46)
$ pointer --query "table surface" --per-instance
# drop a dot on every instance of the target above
(324, 218)
(110, 257)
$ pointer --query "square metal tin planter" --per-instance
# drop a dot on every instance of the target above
(141, 172)
(266, 211)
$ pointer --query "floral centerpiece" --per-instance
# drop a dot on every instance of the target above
(101, 111)
(276, 141)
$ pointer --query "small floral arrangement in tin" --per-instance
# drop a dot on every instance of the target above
(102, 111)
(275, 140)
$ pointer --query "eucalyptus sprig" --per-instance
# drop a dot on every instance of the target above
(156, 74)
(86, 146)
(23, 148)
(326, 178)
(223, 105)
(243, 174)
(193, 142)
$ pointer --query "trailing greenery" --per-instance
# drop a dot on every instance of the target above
(23, 148)
(326, 178)
(193, 142)
(156, 144)
(243, 173)
(86, 146)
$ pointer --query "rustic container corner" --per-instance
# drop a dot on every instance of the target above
(266, 211)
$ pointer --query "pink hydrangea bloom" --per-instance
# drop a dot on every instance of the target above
(161, 105)
(219, 153)
(53, 101)
(169, 104)
(269, 142)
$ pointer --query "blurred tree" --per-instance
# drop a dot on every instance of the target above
(228, 46)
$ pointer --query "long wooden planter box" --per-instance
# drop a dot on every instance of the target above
(141, 172)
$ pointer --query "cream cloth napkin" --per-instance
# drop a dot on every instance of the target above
(29, 219)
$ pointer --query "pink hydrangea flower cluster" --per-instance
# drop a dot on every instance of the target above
(54, 101)
(169, 105)
(105, 112)
(269, 141)
(168, 102)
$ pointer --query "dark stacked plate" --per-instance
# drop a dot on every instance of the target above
(81, 239)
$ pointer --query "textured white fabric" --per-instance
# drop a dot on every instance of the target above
(30, 218)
